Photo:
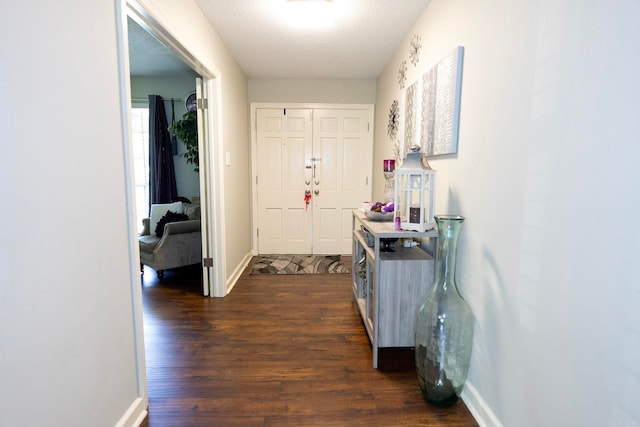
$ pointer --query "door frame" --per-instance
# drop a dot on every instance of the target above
(142, 12)
(254, 148)
(211, 165)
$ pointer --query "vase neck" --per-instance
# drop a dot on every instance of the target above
(448, 231)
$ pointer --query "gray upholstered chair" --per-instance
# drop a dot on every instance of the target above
(180, 244)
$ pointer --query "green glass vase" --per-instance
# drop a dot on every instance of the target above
(444, 325)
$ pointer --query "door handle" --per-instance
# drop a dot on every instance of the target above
(307, 192)
(317, 182)
(315, 160)
(308, 182)
(316, 192)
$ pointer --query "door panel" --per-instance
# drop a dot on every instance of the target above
(283, 146)
(343, 144)
(205, 163)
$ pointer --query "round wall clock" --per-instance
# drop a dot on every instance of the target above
(191, 103)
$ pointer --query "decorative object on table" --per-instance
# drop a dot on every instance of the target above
(298, 264)
(362, 265)
(389, 167)
(379, 211)
(414, 192)
(368, 236)
(386, 245)
(444, 325)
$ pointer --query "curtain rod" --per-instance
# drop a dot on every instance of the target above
(147, 100)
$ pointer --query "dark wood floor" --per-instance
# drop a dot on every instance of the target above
(277, 351)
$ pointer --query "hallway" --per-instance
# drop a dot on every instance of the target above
(280, 350)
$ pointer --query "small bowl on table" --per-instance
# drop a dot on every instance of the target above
(379, 216)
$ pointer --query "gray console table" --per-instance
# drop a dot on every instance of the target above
(387, 286)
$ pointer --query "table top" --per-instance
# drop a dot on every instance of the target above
(386, 229)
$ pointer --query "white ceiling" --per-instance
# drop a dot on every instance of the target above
(358, 45)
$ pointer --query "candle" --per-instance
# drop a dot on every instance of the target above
(414, 215)
(389, 165)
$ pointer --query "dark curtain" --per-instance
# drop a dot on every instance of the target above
(162, 177)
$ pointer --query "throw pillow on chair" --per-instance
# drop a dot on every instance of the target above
(158, 210)
(169, 217)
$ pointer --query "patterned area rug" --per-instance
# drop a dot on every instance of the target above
(298, 264)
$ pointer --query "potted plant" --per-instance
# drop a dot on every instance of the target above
(187, 131)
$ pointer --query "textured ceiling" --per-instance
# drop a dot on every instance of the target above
(362, 39)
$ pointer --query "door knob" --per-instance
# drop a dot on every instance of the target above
(307, 182)
(317, 182)
(316, 192)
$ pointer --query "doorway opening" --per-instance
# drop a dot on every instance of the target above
(210, 178)
(312, 166)
(207, 92)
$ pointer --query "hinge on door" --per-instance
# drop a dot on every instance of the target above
(368, 126)
(202, 103)
(256, 179)
(207, 262)
(285, 111)
(257, 232)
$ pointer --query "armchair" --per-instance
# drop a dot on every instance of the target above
(179, 245)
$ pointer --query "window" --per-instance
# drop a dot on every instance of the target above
(140, 134)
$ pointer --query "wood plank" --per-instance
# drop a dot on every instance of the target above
(278, 351)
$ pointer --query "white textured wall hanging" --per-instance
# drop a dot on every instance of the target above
(411, 117)
(432, 108)
(440, 115)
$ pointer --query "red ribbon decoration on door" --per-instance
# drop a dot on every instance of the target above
(307, 199)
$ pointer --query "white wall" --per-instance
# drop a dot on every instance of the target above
(312, 91)
(178, 87)
(547, 175)
(69, 286)
(67, 356)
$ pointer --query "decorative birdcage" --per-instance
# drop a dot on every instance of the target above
(414, 192)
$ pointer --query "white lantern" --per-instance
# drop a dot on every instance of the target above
(414, 192)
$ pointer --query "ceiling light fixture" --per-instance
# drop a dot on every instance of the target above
(310, 13)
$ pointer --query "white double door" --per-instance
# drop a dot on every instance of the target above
(314, 168)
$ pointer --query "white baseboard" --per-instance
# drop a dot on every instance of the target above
(134, 416)
(238, 272)
(478, 407)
